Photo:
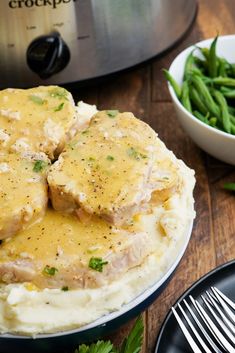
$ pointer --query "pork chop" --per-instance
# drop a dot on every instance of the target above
(23, 191)
(39, 119)
(62, 252)
(106, 169)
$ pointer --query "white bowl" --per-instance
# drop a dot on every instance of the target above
(219, 144)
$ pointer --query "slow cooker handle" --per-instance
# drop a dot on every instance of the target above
(47, 55)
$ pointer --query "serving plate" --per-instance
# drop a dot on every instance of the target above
(171, 338)
(69, 340)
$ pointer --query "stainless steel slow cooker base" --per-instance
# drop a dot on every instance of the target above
(100, 37)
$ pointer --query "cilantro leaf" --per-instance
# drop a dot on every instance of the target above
(112, 113)
(134, 341)
(36, 99)
(49, 271)
(60, 107)
(39, 165)
(98, 347)
(97, 263)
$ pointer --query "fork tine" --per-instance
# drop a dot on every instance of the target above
(217, 318)
(225, 319)
(211, 298)
(203, 331)
(223, 304)
(200, 340)
(212, 327)
(222, 295)
(186, 333)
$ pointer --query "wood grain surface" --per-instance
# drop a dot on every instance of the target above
(144, 92)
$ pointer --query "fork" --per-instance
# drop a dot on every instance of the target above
(213, 323)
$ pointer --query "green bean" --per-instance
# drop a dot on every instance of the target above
(225, 89)
(224, 110)
(202, 64)
(229, 94)
(224, 81)
(201, 117)
(206, 80)
(232, 129)
(213, 122)
(197, 101)
(231, 70)
(212, 60)
(232, 119)
(231, 110)
(173, 83)
(185, 96)
(190, 67)
(222, 68)
(207, 98)
(205, 52)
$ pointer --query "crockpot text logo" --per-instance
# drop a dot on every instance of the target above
(18, 4)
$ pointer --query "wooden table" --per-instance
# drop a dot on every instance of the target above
(144, 92)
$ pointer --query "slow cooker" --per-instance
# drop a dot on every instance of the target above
(65, 41)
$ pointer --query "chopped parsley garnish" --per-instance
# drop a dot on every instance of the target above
(84, 132)
(135, 154)
(72, 144)
(97, 263)
(110, 158)
(112, 113)
(60, 107)
(91, 159)
(39, 165)
(36, 99)
(59, 93)
(65, 288)
(49, 271)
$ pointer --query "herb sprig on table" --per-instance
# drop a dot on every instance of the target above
(229, 186)
(131, 344)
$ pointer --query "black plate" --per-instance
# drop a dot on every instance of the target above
(171, 338)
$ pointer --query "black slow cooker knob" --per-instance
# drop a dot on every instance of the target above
(47, 55)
